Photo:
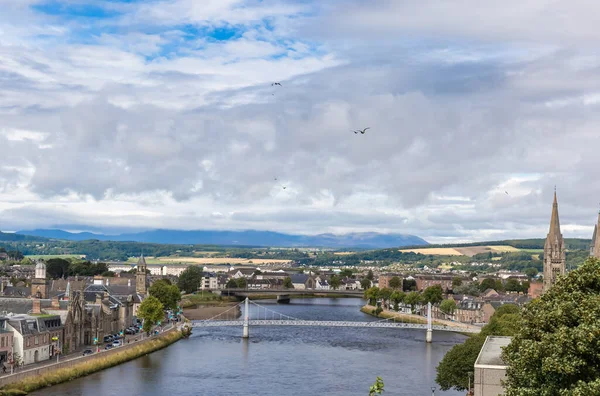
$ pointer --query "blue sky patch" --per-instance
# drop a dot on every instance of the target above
(58, 8)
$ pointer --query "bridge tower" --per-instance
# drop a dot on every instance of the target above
(429, 336)
(245, 333)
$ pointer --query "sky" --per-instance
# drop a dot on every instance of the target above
(132, 115)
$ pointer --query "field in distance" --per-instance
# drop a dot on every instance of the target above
(207, 260)
(51, 256)
(465, 251)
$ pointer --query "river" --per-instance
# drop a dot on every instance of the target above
(281, 360)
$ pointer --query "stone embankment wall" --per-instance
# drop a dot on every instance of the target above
(80, 366)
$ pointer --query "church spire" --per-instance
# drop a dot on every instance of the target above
(554, 249)
(595, 248)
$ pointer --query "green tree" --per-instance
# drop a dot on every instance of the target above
(395, 282)
(372, 294)
(531, 272)
(397, 297)
(409, 285)
(456, 281)
(334, 282)
(189, 280)
(487, 283)
(231, 284)
(499, 286)
(454, 368)
(384, 294)
(433, 294)
(346, 273)
(108, 274)
(448, 306)
(57, 268)
(370, 275)
(472, 289)
(365, 284)
(412, 299)
(512, 285)
(556, 349)
(150, 311)
(377, 387)
(287, 283)
(241, 282)
(169, 295)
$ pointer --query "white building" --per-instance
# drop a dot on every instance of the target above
(490, 369)
(209, 282)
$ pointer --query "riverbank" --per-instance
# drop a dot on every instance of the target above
(203, 312)
(30, 380)
(410, 318)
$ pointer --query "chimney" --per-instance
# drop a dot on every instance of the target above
(37, 306)
(55, 304)
(99, 298)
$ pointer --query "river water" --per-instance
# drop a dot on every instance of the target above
(281, 360)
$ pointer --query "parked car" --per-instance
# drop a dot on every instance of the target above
(87, 352)
(116, 343)
(108, 338)
(108, 346)
(129, 331)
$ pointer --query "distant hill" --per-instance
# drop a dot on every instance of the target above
(14, 237)
(369, 240)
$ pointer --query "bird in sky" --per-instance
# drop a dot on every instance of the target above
(276, 83)
(282, 186)
(506, 192)
(362, 130)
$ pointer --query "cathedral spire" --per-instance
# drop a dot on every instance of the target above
(595, 248)
(554, 249)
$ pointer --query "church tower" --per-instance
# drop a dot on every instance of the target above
(140, 277)
(554, 250)
(595, 248)
(39, 286)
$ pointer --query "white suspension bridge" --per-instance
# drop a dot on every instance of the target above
(264, 316)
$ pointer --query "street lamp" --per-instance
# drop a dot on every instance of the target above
(55, 339)
(433, 391)
(470, 375)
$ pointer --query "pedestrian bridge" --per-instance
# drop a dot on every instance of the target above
(263, 316)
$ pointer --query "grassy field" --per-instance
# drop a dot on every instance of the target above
(207, 260)
(467, 251)
(51, 256)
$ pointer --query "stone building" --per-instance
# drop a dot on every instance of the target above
(141, 276)
(39, 286)
(425, 281)
(6, 341)
(554, 250)
(595, 247)
(33, 336)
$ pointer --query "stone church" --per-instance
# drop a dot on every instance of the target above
(554, 250)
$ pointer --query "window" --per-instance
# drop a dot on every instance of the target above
(1, 341)
(28, 341)
(37, 340)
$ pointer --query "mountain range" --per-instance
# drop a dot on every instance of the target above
(366, 240)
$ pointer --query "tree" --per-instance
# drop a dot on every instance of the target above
(412, 299)
(365, 284)
(377, 387)
(472, 289)
(531, 272)
(397, 297)
(241, 282)
(433, 294)
(287, 283)
(231, 284)
(395, 283)
(108, 274)
(346, 273)
(372, 294)
(456, 281)
(189, 280)
(556, 350)
(169, 295)
(512, 285)
(499, 286)
(448, 306)
(57, 268)
(334, 282)
(370, 275)
(384, 294)
(150, 311)
(409, 285)
(457, 364)
(487, 283)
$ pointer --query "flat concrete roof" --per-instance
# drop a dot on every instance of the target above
(491, 352)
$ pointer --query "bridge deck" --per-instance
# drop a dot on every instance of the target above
(331, 323)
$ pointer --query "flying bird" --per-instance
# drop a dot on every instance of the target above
(362, 130)
(276, 83)
(506, 192)
(282, 186)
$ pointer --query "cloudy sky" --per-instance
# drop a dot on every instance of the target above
(131, 115)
